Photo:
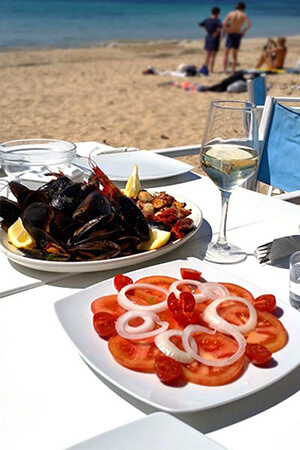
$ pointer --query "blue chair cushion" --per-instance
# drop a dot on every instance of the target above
(280, 162)
(259, 90)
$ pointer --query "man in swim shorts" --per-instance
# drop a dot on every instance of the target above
(236, 24)
(213, 27)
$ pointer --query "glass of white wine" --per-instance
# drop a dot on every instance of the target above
(229, 156)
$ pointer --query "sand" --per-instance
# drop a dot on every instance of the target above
(99, 93)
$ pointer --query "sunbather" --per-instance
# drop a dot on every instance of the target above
(273, 54)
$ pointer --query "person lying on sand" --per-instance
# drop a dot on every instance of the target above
(273, 54)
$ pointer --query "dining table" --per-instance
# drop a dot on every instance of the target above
(51, 399)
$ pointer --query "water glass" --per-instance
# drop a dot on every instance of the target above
(295, 280)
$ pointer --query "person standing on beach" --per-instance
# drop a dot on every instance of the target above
(236, 24)
(213, 27)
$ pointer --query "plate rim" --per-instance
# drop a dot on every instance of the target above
(252, 390)
(186, 169)
(106, 264)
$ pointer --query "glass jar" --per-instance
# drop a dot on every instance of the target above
(32, 161)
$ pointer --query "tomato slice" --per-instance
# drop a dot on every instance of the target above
(158, 280)
(238, 291)
(150, 296)
(269, 332)
(139, 356)
(213, 346)
(121, 280)
(258, 354)
(190, 274)
(104, 324)
(168, 370)
(266, 302)
(109, 304)
(199, 373)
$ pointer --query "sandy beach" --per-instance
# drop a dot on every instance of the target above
(100, 94)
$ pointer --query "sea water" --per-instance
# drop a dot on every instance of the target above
(70, 23)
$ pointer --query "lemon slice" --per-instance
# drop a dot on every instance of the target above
(158, 238)
(18, 236)
(133, 185)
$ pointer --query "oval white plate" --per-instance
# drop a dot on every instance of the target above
(95, 266)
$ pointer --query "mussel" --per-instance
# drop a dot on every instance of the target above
(94, 205)
(9, 211)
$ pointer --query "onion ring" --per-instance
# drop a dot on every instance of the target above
(188, 343)
(124, 301)
(211, 316)
(129, 332)
(208, 290)
(163, 343)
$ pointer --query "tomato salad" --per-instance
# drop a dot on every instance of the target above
(187, 329)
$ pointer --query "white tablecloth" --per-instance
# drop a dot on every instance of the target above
(50, 399)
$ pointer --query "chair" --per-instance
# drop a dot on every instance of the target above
(257, 94)
(257, 90)
(279, 135)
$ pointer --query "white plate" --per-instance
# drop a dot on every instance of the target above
(95, 266)
(76, 318)
(152, 166)
(158, 431)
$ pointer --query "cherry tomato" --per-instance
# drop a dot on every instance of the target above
(190, 274)
(139, 356)
(121, 280)
(266, 302)
(174, 304)
(188, 301)
(258, 354)
(108, 303)
(168, 370)
(104, 324)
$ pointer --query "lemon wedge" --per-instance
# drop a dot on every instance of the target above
(133, 185)
(158, 238)
(18, 236)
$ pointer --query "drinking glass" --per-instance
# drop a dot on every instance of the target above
(229, 156)
(295, 280)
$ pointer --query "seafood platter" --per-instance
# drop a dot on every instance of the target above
(92, 225)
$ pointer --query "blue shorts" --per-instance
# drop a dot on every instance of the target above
(233, 40)
(212, 44)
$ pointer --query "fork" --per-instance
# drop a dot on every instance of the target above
(262, 252)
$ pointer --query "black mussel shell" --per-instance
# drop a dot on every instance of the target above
(62, 227)
(97, 249)
(9, 211)
(37, 215)
(69, 198)
(94, 205)
(55, 186)
(93, 226)
(134, 218)
(19, 191)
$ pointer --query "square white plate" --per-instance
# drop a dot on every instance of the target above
(76, 318)
(158, 431)
(152, 166)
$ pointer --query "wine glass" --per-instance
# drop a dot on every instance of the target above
(229, 156)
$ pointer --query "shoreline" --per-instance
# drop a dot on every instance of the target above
(123, 43)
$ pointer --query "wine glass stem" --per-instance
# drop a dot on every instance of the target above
(222, 240)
